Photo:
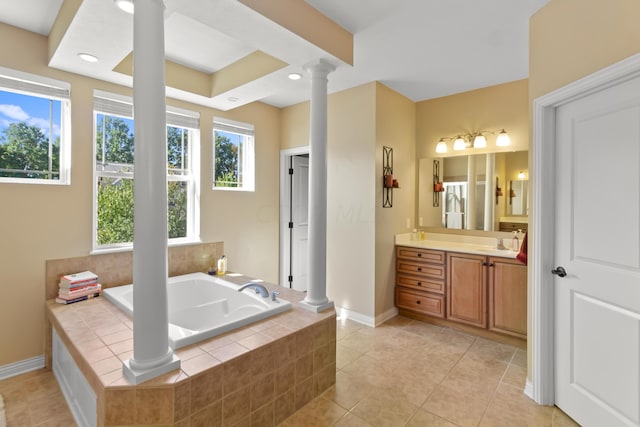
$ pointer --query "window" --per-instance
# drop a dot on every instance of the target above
(234, 158)
(34, 129)
(114, 156)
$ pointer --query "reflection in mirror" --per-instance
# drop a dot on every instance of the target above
(467, 202)
(518, 200)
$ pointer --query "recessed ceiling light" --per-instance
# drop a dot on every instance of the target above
(88, 57)
(295, 76)
(126, 5)
(233, 99)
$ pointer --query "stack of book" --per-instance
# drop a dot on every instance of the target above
(78, 287)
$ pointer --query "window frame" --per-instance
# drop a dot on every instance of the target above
(247, 159)
(120, 106)
(46, 88)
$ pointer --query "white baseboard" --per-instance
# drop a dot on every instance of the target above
(21, 367)
(345, 313)
(528, 389)
(389, 314)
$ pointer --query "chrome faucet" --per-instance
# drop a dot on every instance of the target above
(260, 289)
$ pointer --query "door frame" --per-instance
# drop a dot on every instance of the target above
(285, 243)
(541, 242)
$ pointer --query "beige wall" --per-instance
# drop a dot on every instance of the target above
(351, 191)
(395, 128)
(570, 39)
(40, 222)
(360, 269)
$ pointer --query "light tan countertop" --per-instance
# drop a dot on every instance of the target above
(458, 243)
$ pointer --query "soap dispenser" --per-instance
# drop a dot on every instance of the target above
(515, 242)
(222, 266)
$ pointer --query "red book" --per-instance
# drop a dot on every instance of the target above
(77, 279)
(67, 294)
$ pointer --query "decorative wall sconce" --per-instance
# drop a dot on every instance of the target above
(498, 189)
(438, 186)
(473, 139)
(512, 192)
(388, 182)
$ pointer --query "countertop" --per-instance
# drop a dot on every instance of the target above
(458, 243)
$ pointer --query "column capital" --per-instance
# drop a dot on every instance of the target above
(320, 68)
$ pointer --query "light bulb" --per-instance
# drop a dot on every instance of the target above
(521, 175)
(503, 139)
(480, 141)
(459, 144)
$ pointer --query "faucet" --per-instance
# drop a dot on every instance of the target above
(260, 289)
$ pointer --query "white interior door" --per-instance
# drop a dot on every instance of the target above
(300, 219)
(597, 242)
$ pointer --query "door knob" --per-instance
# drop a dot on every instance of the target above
(559, 271)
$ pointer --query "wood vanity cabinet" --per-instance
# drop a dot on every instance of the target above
(488, 292)
(467, 289)
(508, 297)
(420, 280)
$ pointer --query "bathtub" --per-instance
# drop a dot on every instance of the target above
(203, 306)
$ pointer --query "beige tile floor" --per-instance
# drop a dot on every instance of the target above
(414, 374)
(403, 373)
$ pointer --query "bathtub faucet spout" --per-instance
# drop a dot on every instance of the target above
(260, 289)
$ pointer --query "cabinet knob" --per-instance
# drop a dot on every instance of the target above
(419, 268)
(419, 255)
(418, 302)
(419, 283)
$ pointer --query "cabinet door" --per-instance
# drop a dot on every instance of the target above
(508, 297)
(467, 289)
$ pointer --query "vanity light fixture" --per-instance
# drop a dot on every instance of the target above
(294, 76)
(473, 139)
(521, 175)
(126, 5)
(88, 57)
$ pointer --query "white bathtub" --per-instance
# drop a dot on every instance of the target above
(203, 306)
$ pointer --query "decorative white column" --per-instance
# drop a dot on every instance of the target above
(490, 193)
(316, 299)
(151, 353)
(472, 182)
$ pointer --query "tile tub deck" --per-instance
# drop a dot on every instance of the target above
(256, 375)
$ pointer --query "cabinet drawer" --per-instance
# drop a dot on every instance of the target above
(426, 255)
(431, 304)
(420, 283)
(432, 271)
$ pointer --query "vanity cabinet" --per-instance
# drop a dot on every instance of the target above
(488, 292)
(467, 289)
(420, 280)
(508, 297)
(482, 291)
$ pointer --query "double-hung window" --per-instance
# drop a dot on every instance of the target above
(234, 155)
(114, 172)
(34, 129)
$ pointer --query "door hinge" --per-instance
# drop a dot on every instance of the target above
(290, 171)
(290, 224)
(290, 279)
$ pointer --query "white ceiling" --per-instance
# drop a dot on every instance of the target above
(422, 49)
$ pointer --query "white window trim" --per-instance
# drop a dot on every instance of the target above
(31, 84)
(122, 106)
(248, 158)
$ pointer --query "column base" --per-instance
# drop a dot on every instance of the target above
(137, 376)
(316, 308)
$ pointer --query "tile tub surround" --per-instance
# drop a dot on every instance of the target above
(258, 375)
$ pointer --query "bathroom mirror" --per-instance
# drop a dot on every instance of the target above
(463, 204)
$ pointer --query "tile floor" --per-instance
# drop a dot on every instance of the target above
(403, 373)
